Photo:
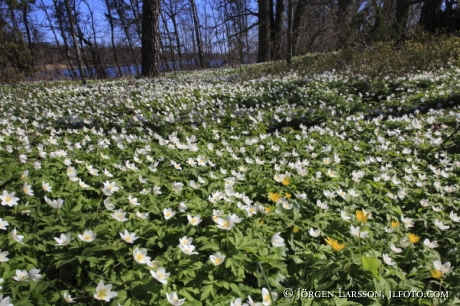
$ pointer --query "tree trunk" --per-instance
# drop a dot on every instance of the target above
(401, 14)
(112, 37)
(124, 23)
(59, 16)
(264, 31)
(199, 42)
(277, 24)
(297, 24)
(75, 42)
(25, 14)
(150, 36)
(176, 34)
(289, 35)
(430, 14)
(69, 67)
(171, 49)
(342, 24)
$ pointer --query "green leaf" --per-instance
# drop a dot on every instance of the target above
(206, 292)
(371, 264)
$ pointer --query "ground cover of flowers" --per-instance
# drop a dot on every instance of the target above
(202, 189)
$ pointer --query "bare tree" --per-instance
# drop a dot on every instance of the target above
(150, 37)
(75, 42)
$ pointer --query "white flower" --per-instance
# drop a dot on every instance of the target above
(182, 207)
(64, 240)
(301, 196)
(357, 175)
(185, 241)
(322, 205)
(344, 215)
(88, 236)
(388, 260)
(168, 213)
(140, 255)
(217, 259)
(156, 190)
(424, 202)
(28, 189)
(314, 232)
(277, 241)
(23, 158)
(194, 185)
(46, 186)
(341, 193)
(430, 244)
(395, 249)
(119, 215)
(142, 215)
(17, 237)
(407, 222)
(108, 205)
(161, 275)
(187, 249)
(356, 231)
(225, 224)
(133, 201)
(238, 302)
(3, 224)
(82, 184)
(402, 194)
(34, 275)
(5, 301)
(177, 186)
(128, 237)
(3, 257)
(92, 170)
(404, 242)
(329, 194)
(9, 199)
(194, 220)
(110, 188)
(331, 173)
(107, 173)
(67, 297)
(54, 203)
(173, 299)
(21, 276)
(440, 225)
(444, 268)
(103, 292)
(266, 299)
(453, 217)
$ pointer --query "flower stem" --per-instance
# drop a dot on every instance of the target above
(359, 241)
(266, 281)
(167, 199)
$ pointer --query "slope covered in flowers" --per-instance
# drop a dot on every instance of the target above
(203, 189)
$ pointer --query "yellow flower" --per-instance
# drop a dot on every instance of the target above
(394, 224)
(335, 245)
(295, 229)
(268, 209)
(288, 195)
(286, 181)
(362, 215)
(436, 273)
(413, 238)
(274, 196)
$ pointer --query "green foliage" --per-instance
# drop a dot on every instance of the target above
(14, 56)
(274, 169)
